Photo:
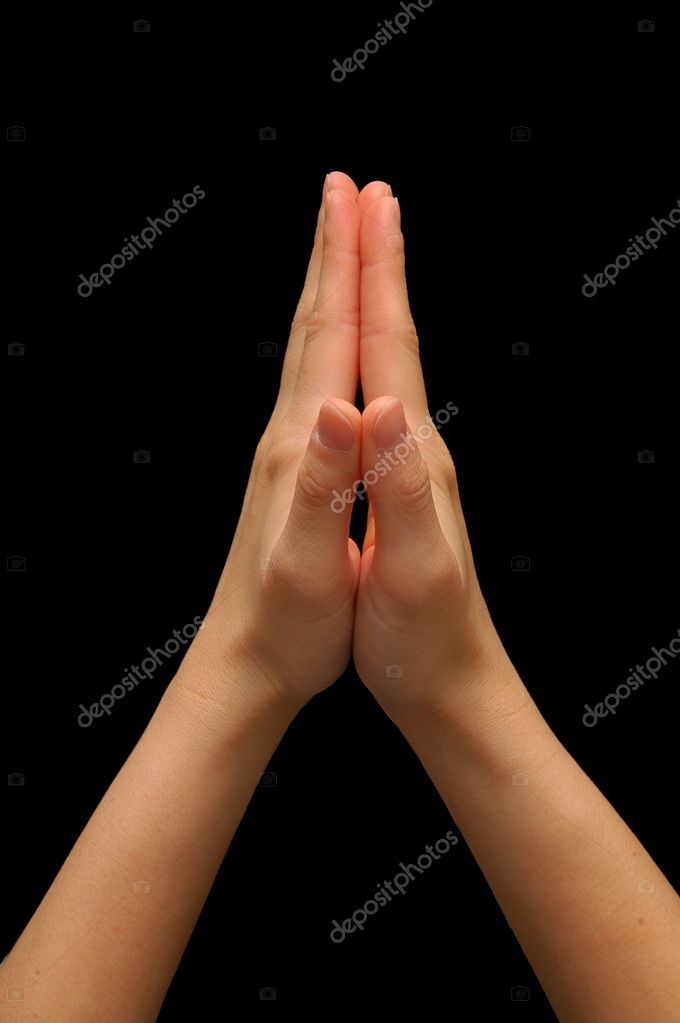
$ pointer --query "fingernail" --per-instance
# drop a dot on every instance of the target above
(325, 184)
(329, 195)
(390, 426)
(388, 190)
(335, 430)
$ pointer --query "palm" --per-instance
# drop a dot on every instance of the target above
(410, 588)
(292, 571)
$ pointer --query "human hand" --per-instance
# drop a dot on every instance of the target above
(284, 606)
(421, 624)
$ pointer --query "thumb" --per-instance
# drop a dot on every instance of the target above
(318, 524)
(407, 529)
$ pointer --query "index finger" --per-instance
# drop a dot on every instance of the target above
(329, 360)
(305, 307)
(388, 354)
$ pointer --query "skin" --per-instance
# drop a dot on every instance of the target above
(295, 601)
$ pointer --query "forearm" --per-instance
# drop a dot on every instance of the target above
(108, 936)
(595, 916)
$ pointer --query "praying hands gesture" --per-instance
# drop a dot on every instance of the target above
(297, 599)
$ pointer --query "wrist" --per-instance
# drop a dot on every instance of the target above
(482, 741)
(227, 691)
(470, 694)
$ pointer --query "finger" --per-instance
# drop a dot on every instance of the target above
(407, 529)
(390, 363)
(317, 528)
(291, 363)
(374, 190)
(329, 362)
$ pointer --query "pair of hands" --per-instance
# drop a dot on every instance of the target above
(297, 597)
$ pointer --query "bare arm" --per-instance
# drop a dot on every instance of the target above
(597, 919)
(106, 940)
(108, 936)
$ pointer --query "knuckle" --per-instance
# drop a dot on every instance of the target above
(277, 456)
(442, 465)
(405, 334)
(283, 574)
(443, 575)
(415, 487)
(301, 318)
(325, 593)
(447, 470)
(432, 582)
(409, 335)
(261, 449)
(323, 321)
(314, 489)
(451, 477)
(295, 581)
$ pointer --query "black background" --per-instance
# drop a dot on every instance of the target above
(165, 359)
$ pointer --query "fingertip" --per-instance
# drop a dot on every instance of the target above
(342, 182)
(336, 431)
(389, 425)
(342, 213)
(373, 190)
(349, 411)
(381, 217)
(375, 409)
